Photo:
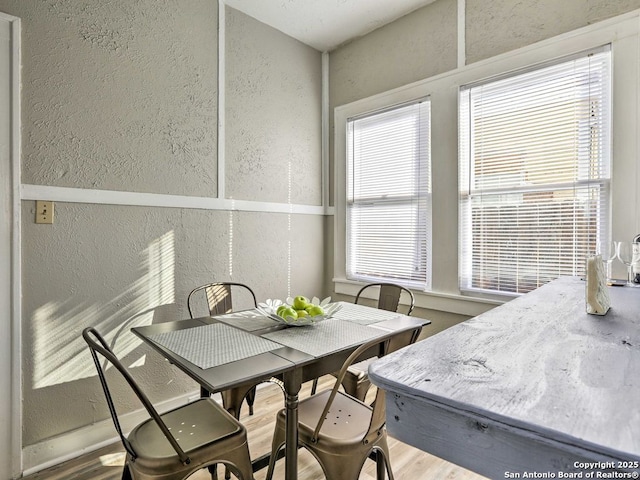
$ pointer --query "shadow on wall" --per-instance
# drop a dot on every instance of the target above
(59, 353)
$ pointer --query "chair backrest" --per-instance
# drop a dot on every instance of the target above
(218, 297)
(378, 413)
(99, 347)
(389, 297)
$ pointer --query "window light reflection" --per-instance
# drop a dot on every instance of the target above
(60, 354)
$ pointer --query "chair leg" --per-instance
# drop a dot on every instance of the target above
(382, 461)
(213, 471)
(380, 465)
(239, 458)
(126, 473)
(339, 468)
(276, 445)
(272, 462)
(232, 402)
(314, 386)
(251, 398)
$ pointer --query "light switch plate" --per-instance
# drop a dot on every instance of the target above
(44, 212)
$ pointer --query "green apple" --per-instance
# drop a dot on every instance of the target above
(302, 313)
(280, 309)
(300, 302)
(315, 310)
(288, 312)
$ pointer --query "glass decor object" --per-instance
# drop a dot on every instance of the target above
(607, 250)
(629, 253)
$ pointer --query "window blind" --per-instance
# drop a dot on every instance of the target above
(389, 196)
(534, 173)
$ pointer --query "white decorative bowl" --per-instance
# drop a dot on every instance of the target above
(270, 306)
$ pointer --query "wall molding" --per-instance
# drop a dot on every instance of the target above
(11, 399)
(222, 95)
(137, 199)
(462, 30)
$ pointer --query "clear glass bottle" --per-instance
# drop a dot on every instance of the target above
(636, 266)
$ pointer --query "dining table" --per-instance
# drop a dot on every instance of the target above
(241, 348)
(534, 388)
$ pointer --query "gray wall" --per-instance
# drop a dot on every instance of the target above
(123, 96)
(502, 25)
(267, 134)
(424, 43)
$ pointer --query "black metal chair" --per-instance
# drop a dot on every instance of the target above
(173, 445)
(356, 380)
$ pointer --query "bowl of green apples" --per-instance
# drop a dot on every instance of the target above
(299, 310)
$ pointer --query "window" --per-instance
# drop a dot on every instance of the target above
(388, 195)
(534, 173)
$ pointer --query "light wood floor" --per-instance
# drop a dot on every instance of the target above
(408, 463)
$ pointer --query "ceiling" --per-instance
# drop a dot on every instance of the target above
(326, 24)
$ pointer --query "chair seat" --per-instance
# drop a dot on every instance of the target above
(347, 421)
(212, 424)
(203, 429)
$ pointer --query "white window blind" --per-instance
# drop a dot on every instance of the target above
(389, 196)
(534, 173)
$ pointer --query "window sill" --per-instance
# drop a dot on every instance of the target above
(444, 302)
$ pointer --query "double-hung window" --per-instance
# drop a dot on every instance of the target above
(534, 173)
(389, 195)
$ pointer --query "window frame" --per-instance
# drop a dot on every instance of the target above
(416, 196)
(622, 32)
(468, 193)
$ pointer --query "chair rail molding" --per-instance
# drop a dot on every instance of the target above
(112, 197)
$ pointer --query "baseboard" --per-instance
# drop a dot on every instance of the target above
(73, 444)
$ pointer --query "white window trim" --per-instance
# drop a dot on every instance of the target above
(420, 108)
(622, 32)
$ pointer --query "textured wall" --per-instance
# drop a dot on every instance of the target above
(119, 95)
(414, 47)
(424, 43)
(501, 25)
(273, 114)
(154, 257)
(122, 95)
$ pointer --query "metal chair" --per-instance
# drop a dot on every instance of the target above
(340, 431)
(389, 296)
(220, 301)
(218, 297)
(173, 445)
(356, 381)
